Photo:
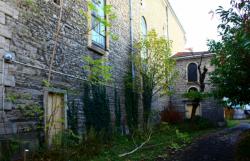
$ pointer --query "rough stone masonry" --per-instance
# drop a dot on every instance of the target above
(28, 33)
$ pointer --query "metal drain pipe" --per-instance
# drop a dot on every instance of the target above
(131, 36)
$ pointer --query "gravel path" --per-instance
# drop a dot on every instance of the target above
(214, 147)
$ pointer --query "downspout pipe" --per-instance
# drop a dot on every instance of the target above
(131, 36)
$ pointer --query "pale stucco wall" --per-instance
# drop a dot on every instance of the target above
(160, 16)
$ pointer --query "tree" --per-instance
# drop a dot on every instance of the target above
(197, 96)
(156, 68)
(231, 74)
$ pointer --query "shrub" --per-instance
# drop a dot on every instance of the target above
(201, 123)
(243, 146)
(72, 148)
(171, 116)
(8, 148)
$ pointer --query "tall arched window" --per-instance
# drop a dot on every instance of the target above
(144, 29)
(192, 72)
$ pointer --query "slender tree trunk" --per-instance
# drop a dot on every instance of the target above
(195, 106)
(56, 38)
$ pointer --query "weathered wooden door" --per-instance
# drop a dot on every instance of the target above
(189, 108)
(55, 113)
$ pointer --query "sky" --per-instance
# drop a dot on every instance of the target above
(197, 22)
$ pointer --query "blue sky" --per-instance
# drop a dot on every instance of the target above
(196, 20)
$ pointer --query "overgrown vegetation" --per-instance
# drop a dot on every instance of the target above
(96, 102)
(72, 116)
(243, 146)
(232, 123)
(165, 140)
(155, 67)
(96, 108)
(231, 61)
(131, 101)
(196, 97)
(118, 121)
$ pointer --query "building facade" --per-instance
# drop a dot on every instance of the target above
(28, 36)
(188, 79)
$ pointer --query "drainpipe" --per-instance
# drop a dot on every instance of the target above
(131, 36)
(3, 85)
(7, 57)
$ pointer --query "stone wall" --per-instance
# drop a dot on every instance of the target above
(210, 107)
(30, 37)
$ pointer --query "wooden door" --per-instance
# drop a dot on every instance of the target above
(189, 108)
(55, 121)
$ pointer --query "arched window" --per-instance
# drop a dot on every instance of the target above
(144, 29)
(192, 72)
(144, 35)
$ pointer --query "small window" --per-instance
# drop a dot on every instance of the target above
(58, 2)
(192, 72)
(98, 28)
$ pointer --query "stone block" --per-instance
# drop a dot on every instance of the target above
(7, 105)
(2, 18)
(5, 128)
(11, 69)
(4, 43)
(8, 10)
(9, 80)
(5, 31)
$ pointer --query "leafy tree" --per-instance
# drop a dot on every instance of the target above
(155, 66)
(231, 74)
(197, 96)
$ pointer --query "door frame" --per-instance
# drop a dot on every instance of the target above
(45, 101)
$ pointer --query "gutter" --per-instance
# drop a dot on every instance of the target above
(194, 56)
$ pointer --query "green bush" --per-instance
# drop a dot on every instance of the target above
(8, 148)
(200, 123)
(243, 146)
(71, 148)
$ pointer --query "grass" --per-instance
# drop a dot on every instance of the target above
(232, 123)
(164, 140)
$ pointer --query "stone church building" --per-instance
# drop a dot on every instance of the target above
(188, 78)
(27, 39)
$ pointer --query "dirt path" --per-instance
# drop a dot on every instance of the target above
(214, 147)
